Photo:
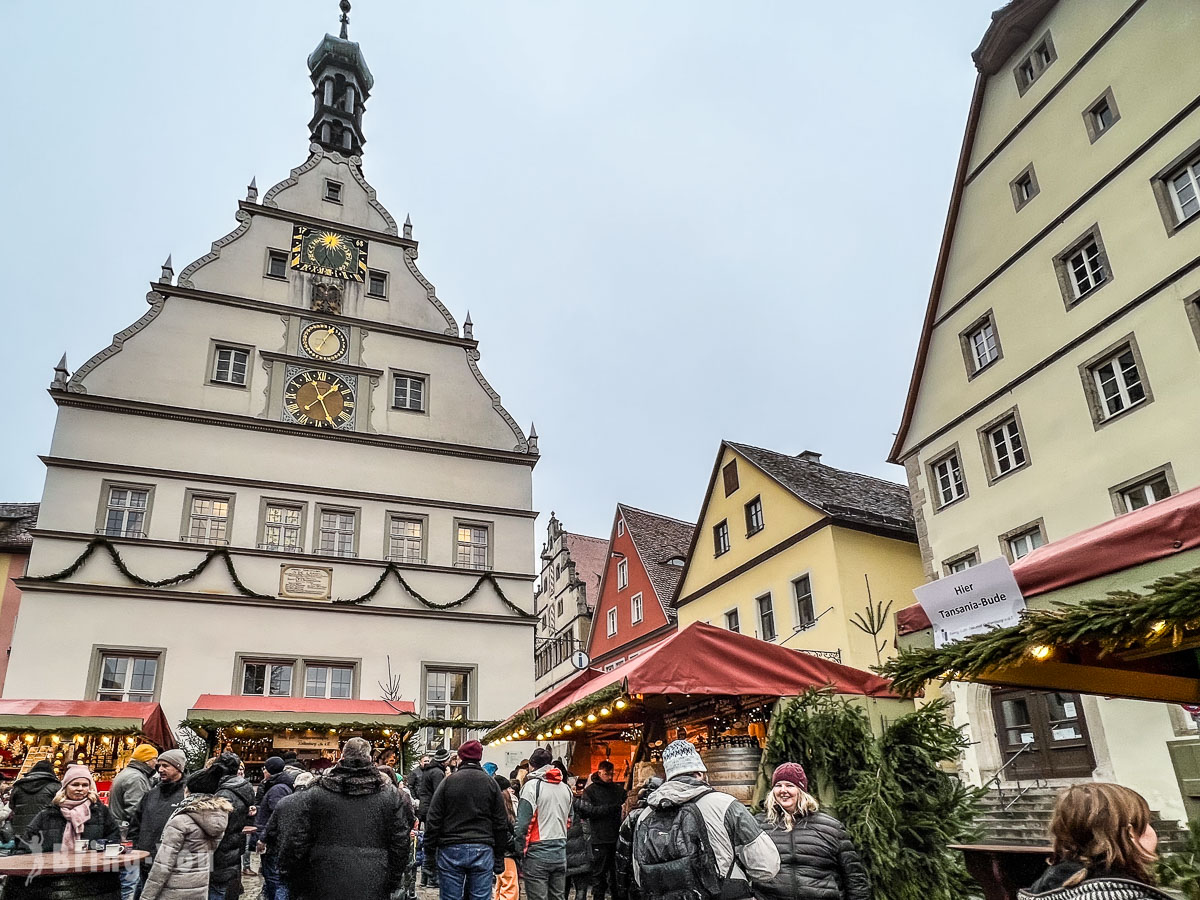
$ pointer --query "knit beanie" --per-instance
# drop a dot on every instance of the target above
(442, 756)
(471, 751)
(144, 753)
(176, 759)
(504, 783)
(790, 771)
(206, 781)
(539, 758)
(228, 762)
(490, 767)
(274, 765)
(681, 758)
(78, 771)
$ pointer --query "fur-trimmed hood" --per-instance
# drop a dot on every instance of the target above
(209, 812)
(354, 778)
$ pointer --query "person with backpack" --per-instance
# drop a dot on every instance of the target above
(277, 784)
(818, 861)
(541, 837)
(694, 841)
(626, 887)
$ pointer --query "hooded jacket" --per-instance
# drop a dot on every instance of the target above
(1101, 886)
(276, 789)
(601, 805)
(468, 809)
(150, 818)
(543, 837)
(182, 865)
(32, 794)
(227, 860)
(817, 861)
(346, 836)
(127, 791)
(738, 843)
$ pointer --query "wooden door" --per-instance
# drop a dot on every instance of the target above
(1043, 733)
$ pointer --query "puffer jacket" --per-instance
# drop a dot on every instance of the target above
(227, 859)
(817, 861)
(1100, 886)
(579, 848)
(184, 859)
(31, 794)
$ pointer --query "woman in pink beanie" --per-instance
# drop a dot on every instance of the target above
(817, 860)
(75, 814)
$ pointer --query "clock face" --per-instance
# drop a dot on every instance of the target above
(324, 341)
(319, 398)
(324, 251)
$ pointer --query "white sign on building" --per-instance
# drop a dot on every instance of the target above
(971, 601)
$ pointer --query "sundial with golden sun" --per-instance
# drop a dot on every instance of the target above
(323, 251)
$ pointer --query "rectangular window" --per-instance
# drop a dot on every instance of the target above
(127, 678)
(806, 613)
(730, 476)
(1082, 268)
(983, 345)
(1024, 187)
(281, 528)
(230, 365)
(1118, 383)
(980, 344)
(1024, 543)
(1031, 67)
(733, 622)
(766, 617)
(721, 537)
(406, 541)
(333, 190)
(267, 679)
(408, 392)
(620, 527)
(126, 513)
(948, 479)
(961, 563)
(471, 547)
(622, 574)
(1006, 447)
(754, 516)
(277, 264)
(1184, 187)
(1101, 115)
(611, 621)
(377, 284)
(1143, 493)
(333, 682)
(635, 608)
(208, 520)
(337, 530)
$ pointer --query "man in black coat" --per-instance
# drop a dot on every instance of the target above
(467, 829)
(157, 805)
(347, 835)
(221, 779)
(600, 806)
(31, 794)
(432, 774)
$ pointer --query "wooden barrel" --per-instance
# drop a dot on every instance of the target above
(733, 770)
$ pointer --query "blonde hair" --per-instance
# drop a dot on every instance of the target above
(61, 796)
(1098, 825)
(778, 816)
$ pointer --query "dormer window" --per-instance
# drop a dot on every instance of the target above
(333, 190)
(1030, 69)
(676, 561)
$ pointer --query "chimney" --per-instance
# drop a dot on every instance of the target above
(811, 456)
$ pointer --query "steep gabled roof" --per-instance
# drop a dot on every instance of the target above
(659, 539)
(588, 554)
(1012, 25)
(16, 521)
(843, 496)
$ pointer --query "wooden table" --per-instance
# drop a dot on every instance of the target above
(1003, 869)
(33, 876)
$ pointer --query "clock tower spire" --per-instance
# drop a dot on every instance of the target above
(341, 84)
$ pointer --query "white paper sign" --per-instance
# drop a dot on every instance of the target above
(971, 601)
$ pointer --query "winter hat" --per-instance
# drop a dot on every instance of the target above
(144, 753)
(790, 771)
(78, 771)
(471, 751)
(303, 780)
(356, 749)
(274, 765)
(442, 756)
(176, 759)
(206, 781)
(228, 762)
(504, 783)
(539, 758)
(490, 768)
(42, 765)
(681, 758)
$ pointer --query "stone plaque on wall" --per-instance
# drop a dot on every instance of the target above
(305, 582)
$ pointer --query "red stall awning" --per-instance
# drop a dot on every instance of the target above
(220, 710)
(144, 719)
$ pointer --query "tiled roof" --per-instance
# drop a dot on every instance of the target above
(658, 539)
(588, 555)
(16, 520)
(843, 496)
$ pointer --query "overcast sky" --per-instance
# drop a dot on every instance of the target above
(672, 222)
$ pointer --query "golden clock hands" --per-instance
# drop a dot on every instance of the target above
(321, 399)
(328, 335)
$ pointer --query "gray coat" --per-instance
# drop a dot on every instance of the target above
(127, 791)
(184, 859)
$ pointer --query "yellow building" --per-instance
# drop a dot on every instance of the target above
(1055, 384)
(791, 550)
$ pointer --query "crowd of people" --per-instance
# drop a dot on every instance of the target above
(358, 830)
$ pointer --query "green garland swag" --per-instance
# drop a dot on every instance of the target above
(1121, 619)
(104, 542)
(411, 726)
(576, 710)
(223, 553)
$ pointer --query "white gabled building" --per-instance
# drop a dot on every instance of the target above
(300, 396)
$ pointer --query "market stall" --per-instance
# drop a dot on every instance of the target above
(713, 687)
(97, 734)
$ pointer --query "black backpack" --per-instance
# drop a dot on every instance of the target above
(675, 859)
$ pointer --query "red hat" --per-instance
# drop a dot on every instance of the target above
(471, 751)
(790, 771)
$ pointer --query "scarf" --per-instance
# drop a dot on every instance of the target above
(76, 813)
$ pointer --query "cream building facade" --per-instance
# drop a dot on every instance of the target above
(1056, 379)
(300, 398)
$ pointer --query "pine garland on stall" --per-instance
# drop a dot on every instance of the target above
(898, 805)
